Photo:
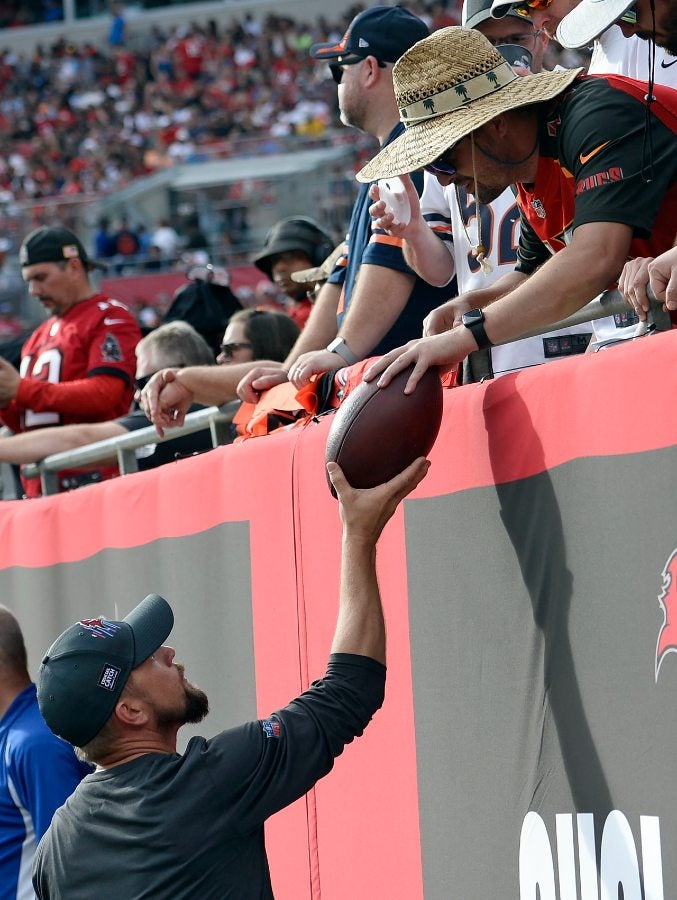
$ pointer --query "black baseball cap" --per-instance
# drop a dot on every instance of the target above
(54, 243)
(385, 32)
(85, 670)
(477, 11)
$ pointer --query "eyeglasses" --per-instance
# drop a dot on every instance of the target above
(441, 165)
(519, 39)
(229, 350)
(337, 68)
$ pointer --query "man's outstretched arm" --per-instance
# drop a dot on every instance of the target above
(360, 627)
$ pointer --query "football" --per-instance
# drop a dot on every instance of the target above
(378, 432)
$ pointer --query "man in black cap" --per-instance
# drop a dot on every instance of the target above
(152, 823)
(353, 319)
(78, 365)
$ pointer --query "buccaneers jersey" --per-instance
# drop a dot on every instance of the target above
(95, 337)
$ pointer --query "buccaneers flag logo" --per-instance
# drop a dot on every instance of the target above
(667, 636)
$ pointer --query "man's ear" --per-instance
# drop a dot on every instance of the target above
(495, 128)
(131, 711)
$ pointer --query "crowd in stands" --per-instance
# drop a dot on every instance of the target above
(85, 119)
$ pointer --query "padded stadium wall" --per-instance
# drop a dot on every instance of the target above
(526, 744)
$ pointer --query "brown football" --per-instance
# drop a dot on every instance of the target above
(378, 432)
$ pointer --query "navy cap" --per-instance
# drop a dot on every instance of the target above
(85, 670)
(385, 32)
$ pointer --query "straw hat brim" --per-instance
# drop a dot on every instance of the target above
(422, 142)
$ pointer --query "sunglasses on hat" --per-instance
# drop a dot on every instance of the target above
(629, 17)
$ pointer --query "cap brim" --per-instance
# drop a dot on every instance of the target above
(486, 15)
(499, 9)
(309, 276)
(151, 622)
(327, 51)
(423, 142)
(588, 20)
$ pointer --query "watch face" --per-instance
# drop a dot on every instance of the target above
(473, 316)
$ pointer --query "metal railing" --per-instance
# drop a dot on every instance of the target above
(218, 419)
(123, 448)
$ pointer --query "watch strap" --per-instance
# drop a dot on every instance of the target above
(338, 345)
(474, 322)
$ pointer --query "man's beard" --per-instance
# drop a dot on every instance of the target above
(194, 710)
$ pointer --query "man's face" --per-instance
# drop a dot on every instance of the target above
(286, 263)
(352, 100)
(54, 284)
(161, 683)
(548, 19)
(491, 178)
(514, 30)
(666, 24)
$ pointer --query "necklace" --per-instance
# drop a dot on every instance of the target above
(479, 251)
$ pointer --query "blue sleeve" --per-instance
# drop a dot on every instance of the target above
(45, 772)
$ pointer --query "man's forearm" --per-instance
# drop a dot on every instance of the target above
(214, 385)
(32, 446)
(380, 296)
(565, 283)
(360, 628)
(427, 255)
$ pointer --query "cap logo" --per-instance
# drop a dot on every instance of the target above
(100, 628)
(109, 676)
(70, 251)
(459, 95)
(362, 43)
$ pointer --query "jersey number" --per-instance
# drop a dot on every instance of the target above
(507, 236)
(47, 367)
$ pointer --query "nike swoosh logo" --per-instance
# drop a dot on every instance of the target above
(586, 157)
(666, 65)
(114, 321)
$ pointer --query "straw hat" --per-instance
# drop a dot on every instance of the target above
(448, 85)
(321, 272)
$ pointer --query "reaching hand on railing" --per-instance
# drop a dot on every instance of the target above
(165, 400)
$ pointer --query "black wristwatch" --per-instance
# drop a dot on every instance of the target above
(474, 321)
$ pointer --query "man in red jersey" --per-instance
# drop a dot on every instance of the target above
(78, 365)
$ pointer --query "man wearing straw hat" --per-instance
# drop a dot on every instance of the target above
(594, 166)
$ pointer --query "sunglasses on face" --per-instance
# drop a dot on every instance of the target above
(228, 350)
(629, 17)
(337, 68)
(442, 165)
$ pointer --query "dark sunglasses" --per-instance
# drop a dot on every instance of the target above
(441, 166)
(229, 349)
(337, 68)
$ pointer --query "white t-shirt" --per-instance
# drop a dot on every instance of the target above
(500, 233)
(615, 54)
